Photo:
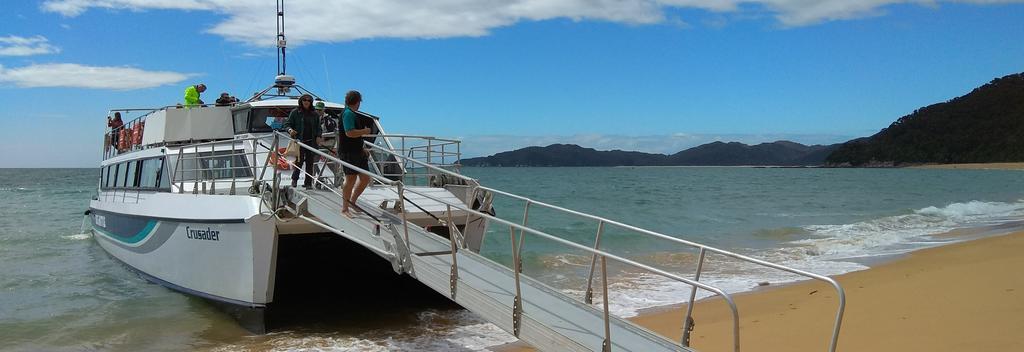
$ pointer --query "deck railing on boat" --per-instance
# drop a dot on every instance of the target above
(437, 152)
(128, 137)
(598, 254)
(207, 167)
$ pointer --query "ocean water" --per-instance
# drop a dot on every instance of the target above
(60, 291)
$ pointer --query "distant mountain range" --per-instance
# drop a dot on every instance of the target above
(780, 153)
(986, 125)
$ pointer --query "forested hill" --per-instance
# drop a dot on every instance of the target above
(781, 153)
(986, 125)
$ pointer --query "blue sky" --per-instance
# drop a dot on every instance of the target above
(648, 75)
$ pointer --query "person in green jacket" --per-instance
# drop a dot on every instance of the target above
(304, 125)
(192, 95)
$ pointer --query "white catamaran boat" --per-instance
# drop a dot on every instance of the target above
(192, 198)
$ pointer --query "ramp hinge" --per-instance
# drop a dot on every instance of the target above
(589, 297)
(606, 346)
(517, 315)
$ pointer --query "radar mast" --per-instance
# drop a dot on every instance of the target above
(283, 81)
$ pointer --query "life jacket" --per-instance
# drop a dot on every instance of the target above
(122, 139)
(137, 134)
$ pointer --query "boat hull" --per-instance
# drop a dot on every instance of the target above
(227, 257)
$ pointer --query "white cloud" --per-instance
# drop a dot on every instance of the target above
(484, 145)
(79, 76)
(250, 21)
(71, 8)
(25, 46)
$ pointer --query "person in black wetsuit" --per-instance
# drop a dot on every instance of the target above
(304, 125)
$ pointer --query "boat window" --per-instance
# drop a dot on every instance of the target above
(122, 170)
(104, 174)
(226, 164)
(216, 165)
(268, 118)
(241, 120)
(149, 174)
(165, 178)
(130, 177)
(185, 168)
(111, 176)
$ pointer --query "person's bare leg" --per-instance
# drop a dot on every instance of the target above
(346, 194)
(364, 180)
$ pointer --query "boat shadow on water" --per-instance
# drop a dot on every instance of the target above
(327, 284)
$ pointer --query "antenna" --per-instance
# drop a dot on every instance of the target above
(330, 90)
(283, 81)
(281, 42)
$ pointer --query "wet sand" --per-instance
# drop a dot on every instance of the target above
(979, 166)
(967, 296)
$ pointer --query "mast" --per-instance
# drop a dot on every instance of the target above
(283, 82)
(281, 42)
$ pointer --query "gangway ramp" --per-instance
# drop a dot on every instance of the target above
(550, 320)
(417, 229)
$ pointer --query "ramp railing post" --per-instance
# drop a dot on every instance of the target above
(688, 320)
(589, 297)
(231, 164)
(401, 200)
(195, 184)
(181, 187)
(272, 155)
(526, 217)
(453, 278)
(607, 345)
(254, 162)
(517, 304)
(470, 200)
(211, 170)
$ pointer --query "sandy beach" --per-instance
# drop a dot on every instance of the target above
(979, 166)
(967, 296)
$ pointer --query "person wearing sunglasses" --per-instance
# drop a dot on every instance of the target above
(304, 125)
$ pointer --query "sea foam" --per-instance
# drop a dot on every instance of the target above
(829, 250)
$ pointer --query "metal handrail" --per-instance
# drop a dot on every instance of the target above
(603, 254)
(839, 290)
(317, 151)
(141, 119)
(424, 164)
(596, 251)
(178, 174)
(517, 249)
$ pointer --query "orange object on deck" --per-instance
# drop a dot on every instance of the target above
(278, 159)
(137, 134)
(122, 139)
